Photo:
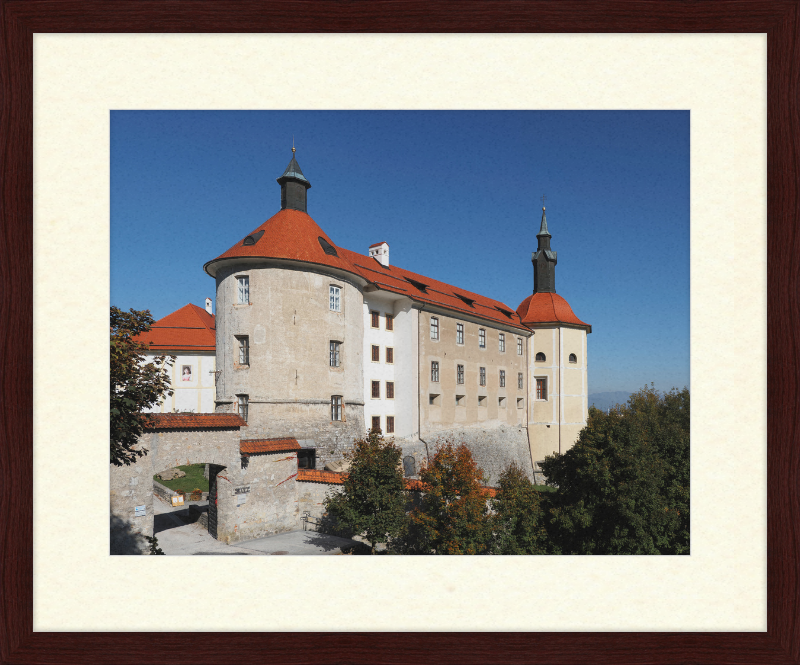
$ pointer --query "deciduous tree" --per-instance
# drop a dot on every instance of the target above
(136, 384)
(519, 522)
(452, 516)
(372, 501)
(624, 487)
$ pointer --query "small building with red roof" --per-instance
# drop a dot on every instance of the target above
(188, 334)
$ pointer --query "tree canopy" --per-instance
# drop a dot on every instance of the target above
(136, 384)
(519, 523)
(372, 501)
(623, 488)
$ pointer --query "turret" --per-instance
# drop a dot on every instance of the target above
(294, 187)
(544, 262)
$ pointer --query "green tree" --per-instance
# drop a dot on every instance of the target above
(624, 487)
(453, 515)
(519, 523)
(372, 501)
(135, 383)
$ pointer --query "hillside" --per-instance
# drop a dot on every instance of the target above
(604, 401)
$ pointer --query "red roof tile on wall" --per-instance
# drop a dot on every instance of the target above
(548, 308)
(254, 446)
(314, 476)
(194, 421)
(191, 328)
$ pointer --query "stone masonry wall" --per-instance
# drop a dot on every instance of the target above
(131, 486)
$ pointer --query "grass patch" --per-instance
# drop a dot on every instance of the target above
(193, 479)
(544, 488)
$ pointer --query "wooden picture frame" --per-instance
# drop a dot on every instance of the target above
(780, 20)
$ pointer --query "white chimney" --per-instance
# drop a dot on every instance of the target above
(208, 305)
(380, 252)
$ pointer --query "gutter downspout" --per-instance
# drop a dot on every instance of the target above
(560, 389)
(528, 404)
(419, 395)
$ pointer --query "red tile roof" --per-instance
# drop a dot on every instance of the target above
(548, 308)
(332, 478)
(293, 235)
(194, 421)
(314, 476)
(378, 244)
(427, 290)
(191, 328)
(253, 446)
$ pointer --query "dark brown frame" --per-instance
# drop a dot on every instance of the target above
(21, 18)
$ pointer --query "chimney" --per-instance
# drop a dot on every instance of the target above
(208, 306)
(380, 252)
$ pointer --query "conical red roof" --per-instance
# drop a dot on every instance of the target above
(548, 308)
(288, 234)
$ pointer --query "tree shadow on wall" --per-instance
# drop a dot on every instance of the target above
(124, 540)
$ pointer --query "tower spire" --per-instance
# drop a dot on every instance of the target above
(544, 261)
(294, 186)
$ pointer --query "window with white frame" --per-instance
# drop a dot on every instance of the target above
(519, 346)
(435, 371)
(482, 338)
(243, 342)
(434, 328)
(336, 407)
(390, 390)
(390, 424)
(541, 389)
(335, 297)
(335, 352)
(502, 378)
(502, 342)
(242, 404)
(519, 381)
(483, 376)
(243, 290)
(459, 373)
(459, 333)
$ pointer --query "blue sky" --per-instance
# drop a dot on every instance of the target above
(455, 194)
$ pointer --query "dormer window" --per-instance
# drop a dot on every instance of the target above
(422, 287)
(465, 300)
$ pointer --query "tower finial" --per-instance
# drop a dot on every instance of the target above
(293, 144)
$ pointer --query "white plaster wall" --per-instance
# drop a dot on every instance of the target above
(196, 395)
(406, 370)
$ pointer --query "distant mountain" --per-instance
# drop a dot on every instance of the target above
(604, 401)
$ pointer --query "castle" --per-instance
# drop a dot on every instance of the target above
(313, 344)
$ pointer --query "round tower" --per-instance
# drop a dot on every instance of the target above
(289, 338)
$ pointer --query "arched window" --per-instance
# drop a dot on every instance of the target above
(540, 357)
(573, 358)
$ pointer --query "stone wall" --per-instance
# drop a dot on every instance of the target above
(310, 496)
(131, 486)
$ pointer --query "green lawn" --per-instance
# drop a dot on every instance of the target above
(192, 480)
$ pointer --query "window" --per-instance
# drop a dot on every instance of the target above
(541, 389)
(390, 424)
(376, 390)
(376, 423)
(459, 373)
(433, 400)
(335, 298)
(519, 381)
(307, 458)
(459, 333)
(483, 376)
(243, 290)
(335, 349)
(482, 338)
(389, 355)
(502, 341)
(501, 402)
(481, 400)
(460, 400)
(520, 403)
(336, 407)
(376, 353)
(540, 357)
(243, 341)
(242, 405)
(435, 371)
(519, 346)
(389, 324)
(376, 319)
(390, 390)
(409, 466)
(502, 378)
(573, 358)
(434, 328)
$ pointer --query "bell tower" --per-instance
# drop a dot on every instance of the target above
(544, 261)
